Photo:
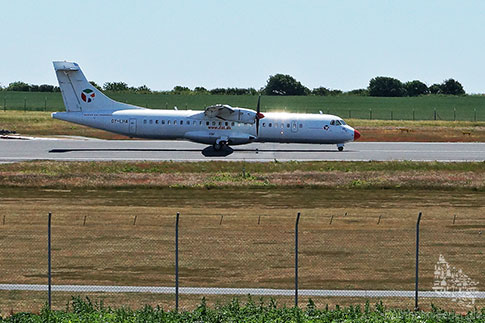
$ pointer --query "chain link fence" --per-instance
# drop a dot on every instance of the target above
(342, 259)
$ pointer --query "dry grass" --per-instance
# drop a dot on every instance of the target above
(239, 174)
(41, 124)
(354, 252)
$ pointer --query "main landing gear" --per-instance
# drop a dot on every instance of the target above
(220, 145)
(340, 147)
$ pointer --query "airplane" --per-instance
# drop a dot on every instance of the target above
(219, 125)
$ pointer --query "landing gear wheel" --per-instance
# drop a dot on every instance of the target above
(340, 147)
(219, 145)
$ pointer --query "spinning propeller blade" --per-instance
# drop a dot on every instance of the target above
(259, 115)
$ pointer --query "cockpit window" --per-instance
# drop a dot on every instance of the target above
(337, 122)
(332, 122)
(342, 122)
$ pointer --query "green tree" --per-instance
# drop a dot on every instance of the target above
(181, 90)
(362, 92)
(386, 86)
(218, 91)
(18, 86)
(115, 86)
(415, 88)
(435, 89)
(46, 88)
(321, 91)
(200, 90)
(281, 84)
(452, 87)
(95, 85)
(143, 89)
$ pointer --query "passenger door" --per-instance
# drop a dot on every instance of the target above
(132, 126)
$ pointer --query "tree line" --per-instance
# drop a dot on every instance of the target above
(278, 84)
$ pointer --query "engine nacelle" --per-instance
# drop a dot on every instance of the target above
(226, 112)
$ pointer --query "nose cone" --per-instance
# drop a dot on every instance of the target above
(356, 135)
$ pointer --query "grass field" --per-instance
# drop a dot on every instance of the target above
(33, 123)
(353, 235)
(343, 175)
(347, 107)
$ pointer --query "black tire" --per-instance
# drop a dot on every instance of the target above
(340, 148)
(217, 147)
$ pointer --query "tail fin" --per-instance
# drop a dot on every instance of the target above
(78, 94)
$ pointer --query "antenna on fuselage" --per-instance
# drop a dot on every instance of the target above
(320, 112)
(175, 108)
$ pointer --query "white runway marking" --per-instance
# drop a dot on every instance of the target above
(239, 291)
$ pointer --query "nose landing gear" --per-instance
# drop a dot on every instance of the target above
(340, 147)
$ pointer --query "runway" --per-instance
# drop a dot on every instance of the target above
(12, 150)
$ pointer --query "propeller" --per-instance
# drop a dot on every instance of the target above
(259, 115)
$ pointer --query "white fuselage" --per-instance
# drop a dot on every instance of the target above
(198, 127)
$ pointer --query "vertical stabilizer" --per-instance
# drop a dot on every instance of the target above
(78, 94)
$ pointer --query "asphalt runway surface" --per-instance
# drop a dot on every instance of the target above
(12, 150)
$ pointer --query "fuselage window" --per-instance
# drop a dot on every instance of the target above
(219, 123)
(163, 121)
(301, 125)
(269, 124)
(232, 124)
(168, 122)
(175, 122)
(207, 123)
(151, 121)
(156, 121)
(264, 124)
(144, 121)
(195, 122)
(213, 123)
(294, 125)
(287, 125)
(226, 123)
(282, 125)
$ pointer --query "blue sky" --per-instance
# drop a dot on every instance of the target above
(337, 44)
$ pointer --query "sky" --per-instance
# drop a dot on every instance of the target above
(338, 44)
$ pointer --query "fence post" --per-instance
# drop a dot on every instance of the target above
(414, 115)
(4, 104)
(45, 104)
(49, 263)
(416, 307)
(350, 114)
(370, 114)
(475, 114)
(296, 258)
(434, 114)
(454, 114)
(25, 104)
(391, 116)
(177, 263)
